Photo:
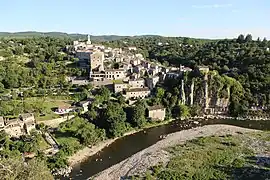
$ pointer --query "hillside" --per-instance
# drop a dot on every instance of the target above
(27, 34)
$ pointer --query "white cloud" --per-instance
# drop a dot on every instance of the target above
(210, 6)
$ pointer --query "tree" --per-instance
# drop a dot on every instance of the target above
(113, 119)
(138, 114)
(184, 111)
(2, 88)
(241, 38)
(160, 93)
(14, 168)
(89, 135)
(121, 99)
(104, 94)
(248, 38)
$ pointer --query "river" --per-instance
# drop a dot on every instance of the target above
(129, 145)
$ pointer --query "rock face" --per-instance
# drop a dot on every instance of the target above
(206, 91)
(191, 96)
(183, 96)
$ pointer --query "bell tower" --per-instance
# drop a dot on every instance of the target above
(88, 39)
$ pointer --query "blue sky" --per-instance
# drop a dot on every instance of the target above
(194, 18)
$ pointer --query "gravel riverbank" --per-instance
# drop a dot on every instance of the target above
(156, 153)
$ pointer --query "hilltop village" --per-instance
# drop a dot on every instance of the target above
(127, 73)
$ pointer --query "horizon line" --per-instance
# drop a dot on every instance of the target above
(146, 34)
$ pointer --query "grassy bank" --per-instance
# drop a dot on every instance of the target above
(243, 156)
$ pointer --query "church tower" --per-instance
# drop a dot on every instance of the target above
(88, 39)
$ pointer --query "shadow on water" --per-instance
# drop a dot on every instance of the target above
(257, 169)
(129, 145)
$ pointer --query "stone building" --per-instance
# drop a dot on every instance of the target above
(84, 57)
(113, 74)
(82, 44)
(135, 61)
(137, 69)
(84, 104)
(203, 69)
(14, 127)
(137, 93)
(119, 87)
(97, 76)
(29, 122)
(151, 82)
(97, 61)
(136, 83)
(156, 112)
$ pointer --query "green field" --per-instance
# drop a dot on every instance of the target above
(47, 105)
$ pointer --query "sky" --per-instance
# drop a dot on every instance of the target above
(189, 18)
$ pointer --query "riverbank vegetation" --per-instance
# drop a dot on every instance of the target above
(242, 156)
(15, 152)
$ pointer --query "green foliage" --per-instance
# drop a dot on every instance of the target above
(113, 119)
(86, 132)
(184, 111)
(138, 114)
(14, 168)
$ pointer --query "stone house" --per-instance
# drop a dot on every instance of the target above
(135, 61)
(19, 126)
(113, 74)
(139, 56)
(127, 67)
(97, 61)
(137, 93)
(85, 104)
(119, 59)
(14, 127)
(151, 82)
(203, 68)
(137, 69)
(119, 87)
(64, 109)
(14, 130)
(185, 69)
(157, 112)
(29, 122)
(136, 83)
(97, 76)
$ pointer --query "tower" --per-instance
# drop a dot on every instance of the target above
(88, 39)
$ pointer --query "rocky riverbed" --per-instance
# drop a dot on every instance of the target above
(141, 161)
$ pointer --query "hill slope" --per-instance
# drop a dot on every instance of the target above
(66, 35)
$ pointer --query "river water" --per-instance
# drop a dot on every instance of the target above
(129, 145)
